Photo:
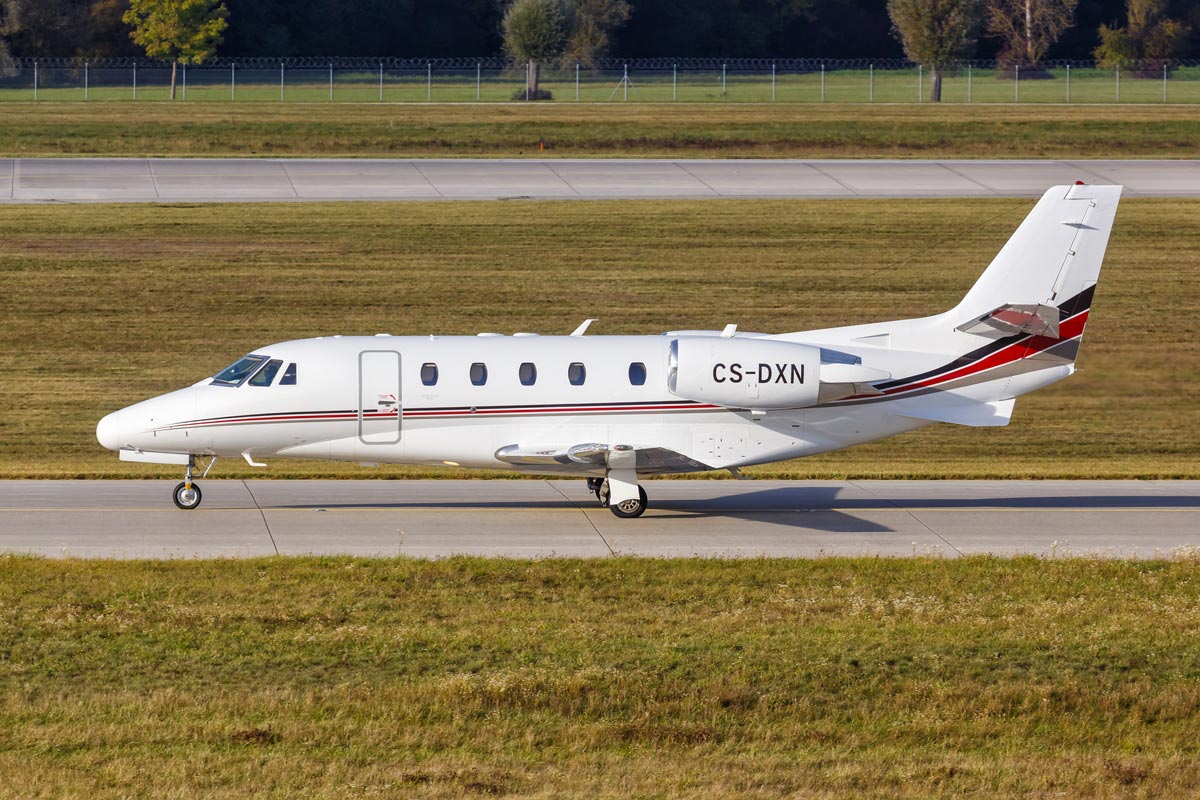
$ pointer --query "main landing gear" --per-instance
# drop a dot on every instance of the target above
(627, 505)
(187, 494)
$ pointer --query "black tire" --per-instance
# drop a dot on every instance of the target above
(631, 508)
(185, 499)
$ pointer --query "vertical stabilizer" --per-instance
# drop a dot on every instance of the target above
(1051, 262)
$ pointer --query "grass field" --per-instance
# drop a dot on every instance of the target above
(325, 678)
(321, 84)
(106, 305)
(606, 130)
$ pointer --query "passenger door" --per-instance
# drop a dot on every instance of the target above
(379, 400)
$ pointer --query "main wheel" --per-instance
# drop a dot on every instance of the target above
(627, 509)
(186, 498)
(602, 493)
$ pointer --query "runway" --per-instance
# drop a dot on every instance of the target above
(83, 180)
(540, 519)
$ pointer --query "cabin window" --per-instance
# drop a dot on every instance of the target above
(478, 374)
(237, 372)
(637, 373)
(266, 375)
(429, 374)
(289, 375)
(576, 373)
(528, 374)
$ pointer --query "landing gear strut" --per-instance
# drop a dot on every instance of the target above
(187, 495)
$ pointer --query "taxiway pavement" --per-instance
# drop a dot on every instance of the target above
(78, 180)
(538, 519)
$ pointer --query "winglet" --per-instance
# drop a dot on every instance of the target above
(583, 326)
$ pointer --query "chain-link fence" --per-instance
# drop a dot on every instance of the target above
(659, 80)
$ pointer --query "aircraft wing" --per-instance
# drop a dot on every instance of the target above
(598, 456)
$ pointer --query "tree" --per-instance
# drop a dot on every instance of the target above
(537, 31)
(182, 31)
(936, 33)
(1028, 27)
(1149, 38)
(594, 19)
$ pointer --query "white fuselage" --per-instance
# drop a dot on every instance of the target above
(334, 411)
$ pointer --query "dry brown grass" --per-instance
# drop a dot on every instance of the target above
(693, 130)
(106, 305)
(329, 678)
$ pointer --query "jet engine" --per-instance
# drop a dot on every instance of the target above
(763, 374)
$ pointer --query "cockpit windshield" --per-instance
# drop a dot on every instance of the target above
(237, 372)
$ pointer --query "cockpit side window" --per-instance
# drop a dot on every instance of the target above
(289, 375)
(237, 372)
(266, 375)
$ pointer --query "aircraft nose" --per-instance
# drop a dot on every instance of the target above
(108, 431)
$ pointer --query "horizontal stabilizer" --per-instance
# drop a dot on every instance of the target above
(1010, 319)
(956, 410)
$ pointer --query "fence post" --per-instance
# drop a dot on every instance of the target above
(772, 82)
(674, 82)
(1016, 83)
(478, 80)
(871, 85)
(85, 80)
(576, 82)
(920, 83)
(331, 81)
(1164, 81)
(232, 80)
(722, 80)
(625, 83)
(428, 81)
(185, 80)
(969, 82)
(35, 80)
(135, 81)
(1118, 83)
(528, 74)
(281, 81)
(381, 82)
(822, 83)
(1068, 83)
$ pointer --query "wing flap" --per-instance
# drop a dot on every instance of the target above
(596, 455)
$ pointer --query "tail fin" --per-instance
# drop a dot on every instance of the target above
(1047, 271)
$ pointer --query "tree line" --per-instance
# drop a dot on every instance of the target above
(1017, 30)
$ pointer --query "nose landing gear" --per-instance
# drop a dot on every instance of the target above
(187, 495)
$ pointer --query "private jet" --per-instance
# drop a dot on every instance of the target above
(616, 409)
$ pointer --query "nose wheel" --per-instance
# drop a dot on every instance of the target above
(187, 494)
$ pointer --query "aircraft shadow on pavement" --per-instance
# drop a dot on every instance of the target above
(806, 507)
(812, 508)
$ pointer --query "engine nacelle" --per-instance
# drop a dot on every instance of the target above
(744, 373)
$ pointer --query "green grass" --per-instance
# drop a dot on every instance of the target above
(599, 129)
(107, 305)
(221, 85)
(909, 678)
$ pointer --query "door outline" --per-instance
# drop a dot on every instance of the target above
(363, 398)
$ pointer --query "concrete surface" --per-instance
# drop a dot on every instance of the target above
(524, 518)
(77, 180)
